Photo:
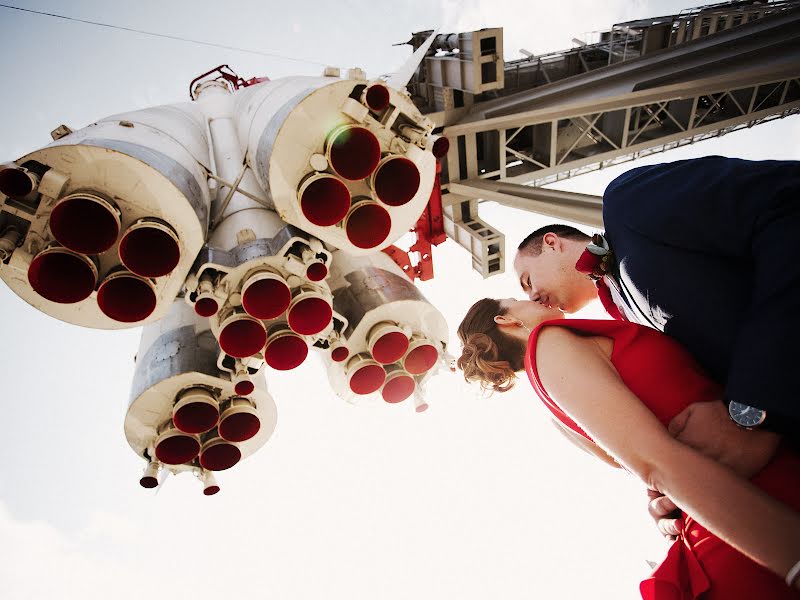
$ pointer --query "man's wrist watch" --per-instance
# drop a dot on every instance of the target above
(746, 416)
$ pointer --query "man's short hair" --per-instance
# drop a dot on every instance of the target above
(532, 245)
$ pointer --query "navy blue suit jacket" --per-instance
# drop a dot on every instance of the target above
(709, 249)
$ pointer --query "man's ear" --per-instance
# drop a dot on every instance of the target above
(551, 240)
(506, 320)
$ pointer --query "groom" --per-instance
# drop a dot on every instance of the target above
(707, 251)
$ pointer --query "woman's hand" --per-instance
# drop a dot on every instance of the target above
(706, 427)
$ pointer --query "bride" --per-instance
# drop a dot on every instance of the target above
(614, 387)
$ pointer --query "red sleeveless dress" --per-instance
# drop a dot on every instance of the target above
(666, 379)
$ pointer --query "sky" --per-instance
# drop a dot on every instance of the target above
(478, 497)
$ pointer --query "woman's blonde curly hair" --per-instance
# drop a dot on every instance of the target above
(489, 356)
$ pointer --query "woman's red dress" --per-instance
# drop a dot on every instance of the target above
(667, 380)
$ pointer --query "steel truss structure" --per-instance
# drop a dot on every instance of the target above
(647, 86)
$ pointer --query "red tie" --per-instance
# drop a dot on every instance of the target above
(607, 301)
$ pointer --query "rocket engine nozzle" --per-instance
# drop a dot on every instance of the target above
(398, 386)
(150, 249)
(17, 182)
(125, 297)
(364, 375)
(85, 222)
(367, 224)
(353, 152)
(174, 447)
(324, 199)
(239, 420)
(285, 349)
(376, 97)
(395, 181)
(62, 276)
(387, 343)
(241, 335)
(218, 454)
(265, 295)
(196, 411)
(309, 312)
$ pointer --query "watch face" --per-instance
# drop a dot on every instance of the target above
(746, 416)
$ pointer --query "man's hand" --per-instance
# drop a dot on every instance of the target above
(665, 513)
(706, 427)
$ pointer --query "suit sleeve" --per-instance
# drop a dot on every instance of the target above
(748, 215)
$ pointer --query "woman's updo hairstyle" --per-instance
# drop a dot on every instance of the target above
(488, 355)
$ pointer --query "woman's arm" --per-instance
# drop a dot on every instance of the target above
(728, 505)
(581, 442)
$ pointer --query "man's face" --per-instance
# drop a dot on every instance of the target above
(551, 279)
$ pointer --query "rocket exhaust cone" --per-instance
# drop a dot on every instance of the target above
(196, 417)
(242, 336)
(353, 151)
(368, 225)
(324, 200)
(177, 449)
(377, 97)
(286, 351)
(367, 379)
(126, 298)
(398, 388)
(440, 147)
(309, 315)
(396, 181)
(219, 455)
(59, 275)
(150, 249)
(85, 223)
(265, 296)
(16, 183)
(239, 427)
(421, 359)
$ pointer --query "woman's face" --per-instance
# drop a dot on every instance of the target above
(529, 312)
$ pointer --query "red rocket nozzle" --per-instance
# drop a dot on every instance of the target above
(239, 421)
(149, 482)
(149, 478)
(317, 271)
(367, 224)
(285, 350)
(244, 387)
(17, 182)
(176, 448)
(218, 454)
(59, 275)
(309, 312)
(399, 386)
(126, 298)
(265, 295)
(387, 343)
(440, 147)
(196, 411)
(206, 306)
(377, 97)
(353, 152)
(210, 490)
(396, 181)
(324, 200)
(241, 335)
(85, 222)
(364, 375)
(339, 353)
(150, 249)
(421, 358)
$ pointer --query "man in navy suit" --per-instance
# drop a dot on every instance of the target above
(707, 251)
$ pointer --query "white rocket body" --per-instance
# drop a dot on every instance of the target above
(242, 229)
